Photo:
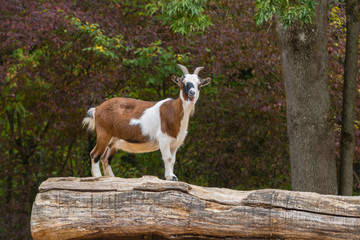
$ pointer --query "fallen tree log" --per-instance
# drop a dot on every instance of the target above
(150, 208)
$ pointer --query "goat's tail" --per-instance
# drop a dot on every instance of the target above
(89, 120)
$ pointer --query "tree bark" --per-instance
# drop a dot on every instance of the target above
(149, 208)
(349, 98)
(310, 122)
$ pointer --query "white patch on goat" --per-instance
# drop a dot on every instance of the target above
(150, 120)
(134, 121)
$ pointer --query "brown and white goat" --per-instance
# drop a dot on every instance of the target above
(137, 126)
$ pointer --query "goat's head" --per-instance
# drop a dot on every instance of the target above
(190, 84)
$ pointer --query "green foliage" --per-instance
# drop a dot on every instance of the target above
(102, 44)
(12, 100)
(154, 64)
(288, 11)
(161, 61)
(184, 16)
(55, 67)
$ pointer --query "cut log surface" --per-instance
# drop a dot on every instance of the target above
(150, 208)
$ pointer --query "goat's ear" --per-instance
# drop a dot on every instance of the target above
(175, 79)
(205, 81)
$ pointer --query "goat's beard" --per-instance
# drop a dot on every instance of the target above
(192, 111)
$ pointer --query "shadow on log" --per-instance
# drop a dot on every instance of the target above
(150, 208)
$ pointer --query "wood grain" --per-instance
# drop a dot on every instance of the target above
(150, 208)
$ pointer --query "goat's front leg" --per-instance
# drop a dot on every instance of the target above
(168, 160)
(173, 159)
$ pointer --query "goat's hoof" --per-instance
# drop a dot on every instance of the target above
(171, 178)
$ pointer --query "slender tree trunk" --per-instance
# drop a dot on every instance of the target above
(9, 186)
(349, 98)
(310, 121)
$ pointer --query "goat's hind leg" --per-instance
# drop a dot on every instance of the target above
(106, 158)
(97, 152)
(95, 168)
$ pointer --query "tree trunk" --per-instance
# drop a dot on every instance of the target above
(349, 97)
(310, 122)
(149, 208)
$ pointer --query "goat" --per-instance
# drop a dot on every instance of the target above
(137, 126)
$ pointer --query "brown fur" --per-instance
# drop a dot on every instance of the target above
(171, 114)
(110, 112)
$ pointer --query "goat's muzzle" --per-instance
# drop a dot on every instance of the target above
(191, 95)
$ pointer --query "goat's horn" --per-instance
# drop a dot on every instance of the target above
(197, 70)
(183, 69)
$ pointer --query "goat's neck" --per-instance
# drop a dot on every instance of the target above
(186, 107)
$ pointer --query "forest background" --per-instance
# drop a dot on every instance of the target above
(59, 58)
